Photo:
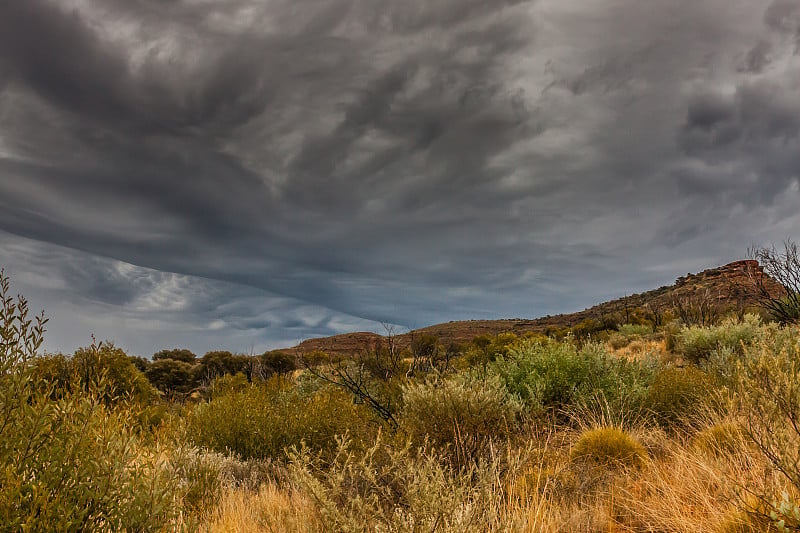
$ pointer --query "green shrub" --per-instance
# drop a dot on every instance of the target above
(200, 477)
(697, 343)
(550, 376)
(69, 461)
(678, 395)
(635, 330)
(608, 447)
(262, 420)
(484, 348)
(52, 372)
(628, 333)
(618, 341)
(463, 414)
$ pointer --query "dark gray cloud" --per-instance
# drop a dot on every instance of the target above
(274, 170)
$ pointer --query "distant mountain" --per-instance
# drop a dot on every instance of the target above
(717, 290)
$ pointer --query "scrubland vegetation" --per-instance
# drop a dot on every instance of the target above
(636, 427)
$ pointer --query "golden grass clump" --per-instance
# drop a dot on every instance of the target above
(609, 446)
(721, 439)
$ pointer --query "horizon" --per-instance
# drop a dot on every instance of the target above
(246, 175)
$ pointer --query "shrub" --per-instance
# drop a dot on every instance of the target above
(628, 333)
(768, 395)
(262, 420)
(697, 343)
(678, 395)
(608, 447)
(484, 348)
(463, 414)
(218, 363)
(52, 373)
(69, 462)
(550, 376)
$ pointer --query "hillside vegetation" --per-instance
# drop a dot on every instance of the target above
(683, 419)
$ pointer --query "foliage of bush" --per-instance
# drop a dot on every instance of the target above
(52, 372)
(698, 343)
(486, 348)
(678, 395)
(608, 447)
(69, 462)
(627, 333)
(262, 420)
(551, 376)
(462, 414)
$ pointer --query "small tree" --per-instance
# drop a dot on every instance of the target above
(776, 279)
(698, 308)
(178, 354)
(171, 376)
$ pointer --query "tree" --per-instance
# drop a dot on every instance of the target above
(697, 308)
(171, 376)
(178, 354)
(104, 361)
(277, 362)
(775, 276)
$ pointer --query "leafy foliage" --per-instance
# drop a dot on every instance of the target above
(106, 361)
(768, 394)
(698, 343)
(550, 376)
(262, 420)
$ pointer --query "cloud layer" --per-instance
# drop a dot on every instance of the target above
(326, 165)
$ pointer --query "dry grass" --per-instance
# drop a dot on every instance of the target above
(270, 509)
(684, 487)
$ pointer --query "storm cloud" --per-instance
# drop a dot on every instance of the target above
(245, 174)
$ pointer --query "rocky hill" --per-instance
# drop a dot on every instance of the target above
(713, 291)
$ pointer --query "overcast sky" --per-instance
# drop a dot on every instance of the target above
(246, 174)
